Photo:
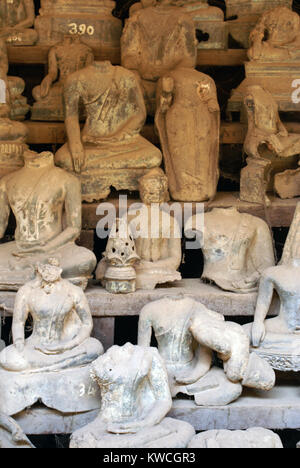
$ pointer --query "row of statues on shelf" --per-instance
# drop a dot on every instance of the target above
(61, 366)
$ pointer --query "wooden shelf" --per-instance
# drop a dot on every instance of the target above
(39, 55)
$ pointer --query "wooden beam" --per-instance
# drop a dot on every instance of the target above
(221, 58)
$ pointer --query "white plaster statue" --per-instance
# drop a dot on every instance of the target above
(253, 438)
(135, 399)
(11, 435)
(187, 333)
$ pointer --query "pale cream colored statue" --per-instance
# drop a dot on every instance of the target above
(277, 339)
(57, 353)
(237, 248)
(109, 151)
(92, 20)
(16, 19)
(268, 145)
(253, 438)
(287, 183)
(11, 435)
(155, 41)
(187, 333)
(135, 398)
(188, 123)
(46, 202)
(292, 244)
(64, 58)
(156, 233)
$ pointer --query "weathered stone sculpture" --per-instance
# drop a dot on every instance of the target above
(187, 333)
(237, 248)
(135, 399)
(253, 438)
(292, 244)
(53, 364)
(208, 20)
(156, 233)
(109, 151)
(16, 19)
(268, 145)
(90, 19)
(274, 56)
(155, 41)
(64, 58)
(11, 435)
(46, 202)
(287, 183)
(188, 122)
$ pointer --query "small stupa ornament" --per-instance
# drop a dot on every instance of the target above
(121, 256)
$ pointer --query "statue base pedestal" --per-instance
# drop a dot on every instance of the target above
(68, 391)
(281, 351)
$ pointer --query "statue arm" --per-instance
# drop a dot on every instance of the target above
(262, 249)
(52, 73)
(20, 315)
(145, 327)
(4, 209)
(130, 45)
(71, 99)
(203, 362)
(265, 296)
(84, 313)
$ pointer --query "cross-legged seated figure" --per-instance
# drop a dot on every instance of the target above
(109, 151)
(16, 19)
(187, 333)
(135, 398)
(46, 202)
(33, 369)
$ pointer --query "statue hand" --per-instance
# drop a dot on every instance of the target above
(49, 349)
(78, 156)
(258, 333)
(45, 86)
(124, 428)
(185, 378)
(20, 345)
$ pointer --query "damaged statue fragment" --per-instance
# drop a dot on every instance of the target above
(253, 438)
(11, 435)
(135, 398)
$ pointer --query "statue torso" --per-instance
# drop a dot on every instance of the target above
(12, 12)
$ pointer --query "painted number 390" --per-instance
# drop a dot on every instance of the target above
(81, 29)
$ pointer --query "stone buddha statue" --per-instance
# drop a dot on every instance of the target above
(155, 41)
(292, 244)
(64, 58)
(46, 202)
(237, 248)
(11, 435)
(109, 151)
(16, 19)
(135, 398)
(188, 123)
(156, 233)
(187, 334)
(53, 362)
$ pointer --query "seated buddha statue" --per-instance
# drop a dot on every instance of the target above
(16, 19)
(31, 369)
(135, 399)
(109, 151)
(46, 202)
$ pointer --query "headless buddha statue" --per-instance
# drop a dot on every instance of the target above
(135, 399)
(109, 151)
(237, 248)
(64, 58)
(33, 368)
(16, 19)
(46, 202)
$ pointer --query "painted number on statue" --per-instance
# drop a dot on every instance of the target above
(87, 390)
(81, 29)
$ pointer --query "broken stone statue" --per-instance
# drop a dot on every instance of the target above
(208, 20)
(92, 20)
(156, 234)
(187, 334)
(269, 147)
(188, 123)
(64, 58)
(120, 258)
(53, 364)
(155, 41)
(237, 248)
(16, 19)
(253, 438)
(292, 244)
(46, 202)
(135, 398)
(11, 435)
(274, 59)
(109, 151)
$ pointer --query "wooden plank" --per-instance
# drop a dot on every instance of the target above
(221, 58)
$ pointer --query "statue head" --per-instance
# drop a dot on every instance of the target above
(282, 26)
(50, 272)
(153, 187)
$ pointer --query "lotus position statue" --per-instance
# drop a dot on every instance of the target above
(135, 399)
(35, 368)
(109, 151)
(46, 202)
(187, 333)
(16, 19)
(64, 58)
(156, 233)
(11, 435)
